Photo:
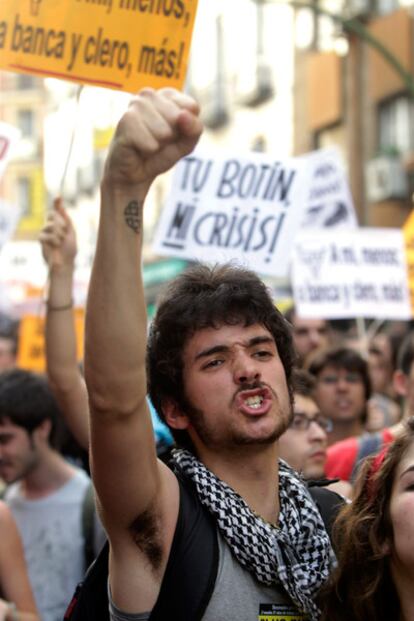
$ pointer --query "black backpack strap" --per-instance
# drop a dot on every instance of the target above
(88, 524)
(368, 444)
(90, 600)
(328, 502)
(189, 578)
(193, 562)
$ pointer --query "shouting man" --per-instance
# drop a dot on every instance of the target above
(218, 368)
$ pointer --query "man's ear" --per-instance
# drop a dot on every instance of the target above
(399, 381)
(174, 416)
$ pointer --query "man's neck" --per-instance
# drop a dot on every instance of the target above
(253, 474)
(49, 475)
(343, 430)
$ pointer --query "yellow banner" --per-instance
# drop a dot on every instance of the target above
(102, 138)
(33, 221)
(119, 44)
(31, 350)
(408, 231)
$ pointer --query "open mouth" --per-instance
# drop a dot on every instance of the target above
(256, 401)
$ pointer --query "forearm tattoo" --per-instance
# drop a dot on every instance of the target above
(133, 216)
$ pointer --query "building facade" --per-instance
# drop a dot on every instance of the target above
(353, 89)
(23, 104)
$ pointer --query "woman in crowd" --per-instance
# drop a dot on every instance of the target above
(16, 601)
(375, 541)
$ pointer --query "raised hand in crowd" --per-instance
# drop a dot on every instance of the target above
(159, 129)
(219, 362)
(59, 247)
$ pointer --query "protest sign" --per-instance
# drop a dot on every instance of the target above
(31, 348)
(9, 137)
(329, 200)
(119, 44)
(222, 207)
(408, 232)
(22, 262)
(9, 218)
(359, 273)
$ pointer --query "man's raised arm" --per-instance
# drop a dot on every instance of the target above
(159, 128)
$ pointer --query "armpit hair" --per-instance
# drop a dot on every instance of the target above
(146, 534)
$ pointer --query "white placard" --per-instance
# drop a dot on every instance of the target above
(360, 273)
(9, 219)
(9, 137)
(22, 262)
(329, 200)
(234, 207)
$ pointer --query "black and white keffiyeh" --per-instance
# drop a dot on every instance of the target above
(297, 554)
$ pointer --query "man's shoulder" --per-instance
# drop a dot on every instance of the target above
(344, 449)
(74, 489)
(80, 478)
(341, 457)
(11, 492)
(349, 444)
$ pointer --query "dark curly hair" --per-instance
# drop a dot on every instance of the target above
(361, 588)
(202, 297)
(26, 400)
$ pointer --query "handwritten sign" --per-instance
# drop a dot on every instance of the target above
(360, 273)
(22, 262)
(31, 349)
(9, 218)
(329, 200)
(224, 207)
(9, 137)
(119, 44)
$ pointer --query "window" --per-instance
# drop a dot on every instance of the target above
(387, 6)
(396, 126)
(25, 122)
(23, 195)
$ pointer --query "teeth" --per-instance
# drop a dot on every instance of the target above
(254, 402)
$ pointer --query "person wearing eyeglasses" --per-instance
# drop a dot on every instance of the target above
(303, 445)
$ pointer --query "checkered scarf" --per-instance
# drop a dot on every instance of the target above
(297, 554)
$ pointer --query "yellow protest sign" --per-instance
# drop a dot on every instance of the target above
(408, 231)
(31, 349)
(102, 138)
(119, 44)
(33, 220)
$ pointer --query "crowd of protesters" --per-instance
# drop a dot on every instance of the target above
(226, 407)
